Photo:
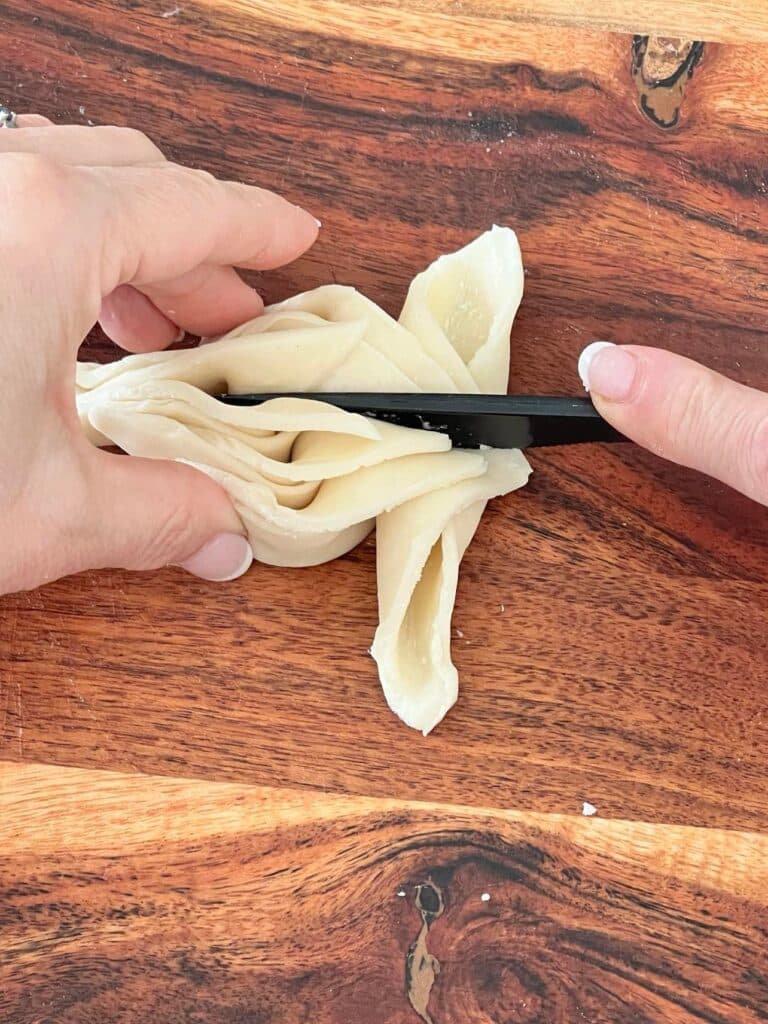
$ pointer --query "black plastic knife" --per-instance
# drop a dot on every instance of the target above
(499, 421)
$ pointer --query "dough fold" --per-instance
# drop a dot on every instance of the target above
(309, 481)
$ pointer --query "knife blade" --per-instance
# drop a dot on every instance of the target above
(498, 421)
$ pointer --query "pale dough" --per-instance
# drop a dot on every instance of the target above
(310, 481)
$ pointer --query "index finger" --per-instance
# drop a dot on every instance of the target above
(158, 223)
(103, 145)
(683, 412)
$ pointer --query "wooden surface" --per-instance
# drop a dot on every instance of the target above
(610, 618)
(161, 900)
(714, 20)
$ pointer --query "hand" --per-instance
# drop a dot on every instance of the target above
(96, 224)
(683, 412)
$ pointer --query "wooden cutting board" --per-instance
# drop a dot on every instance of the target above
(610, 620)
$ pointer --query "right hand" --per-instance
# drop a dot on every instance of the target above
(683, 412)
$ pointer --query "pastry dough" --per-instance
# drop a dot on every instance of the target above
(310, 481)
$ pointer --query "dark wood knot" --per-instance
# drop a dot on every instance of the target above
(661, 68)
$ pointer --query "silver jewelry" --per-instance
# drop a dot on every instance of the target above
(8, 118)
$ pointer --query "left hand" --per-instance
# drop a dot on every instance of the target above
(96, 224)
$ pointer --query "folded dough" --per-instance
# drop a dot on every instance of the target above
(309, 481)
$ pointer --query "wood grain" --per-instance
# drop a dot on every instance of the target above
(611, 617)
(717, 20)
(168, 900)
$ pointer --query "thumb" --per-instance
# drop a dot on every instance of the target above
(682, 411)
(147, 513)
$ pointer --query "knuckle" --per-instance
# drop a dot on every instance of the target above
(687, 414)
(142, 148)
(33, 175)
(37, 197)
(197, 181)
(755, 459)
(173, 539)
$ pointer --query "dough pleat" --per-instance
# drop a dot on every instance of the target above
(310, 481)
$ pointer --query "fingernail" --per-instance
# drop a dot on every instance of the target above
(586, 357)
(224, 558)
(306, 213)
(608, 370)
(318, 222)
(180, 336)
